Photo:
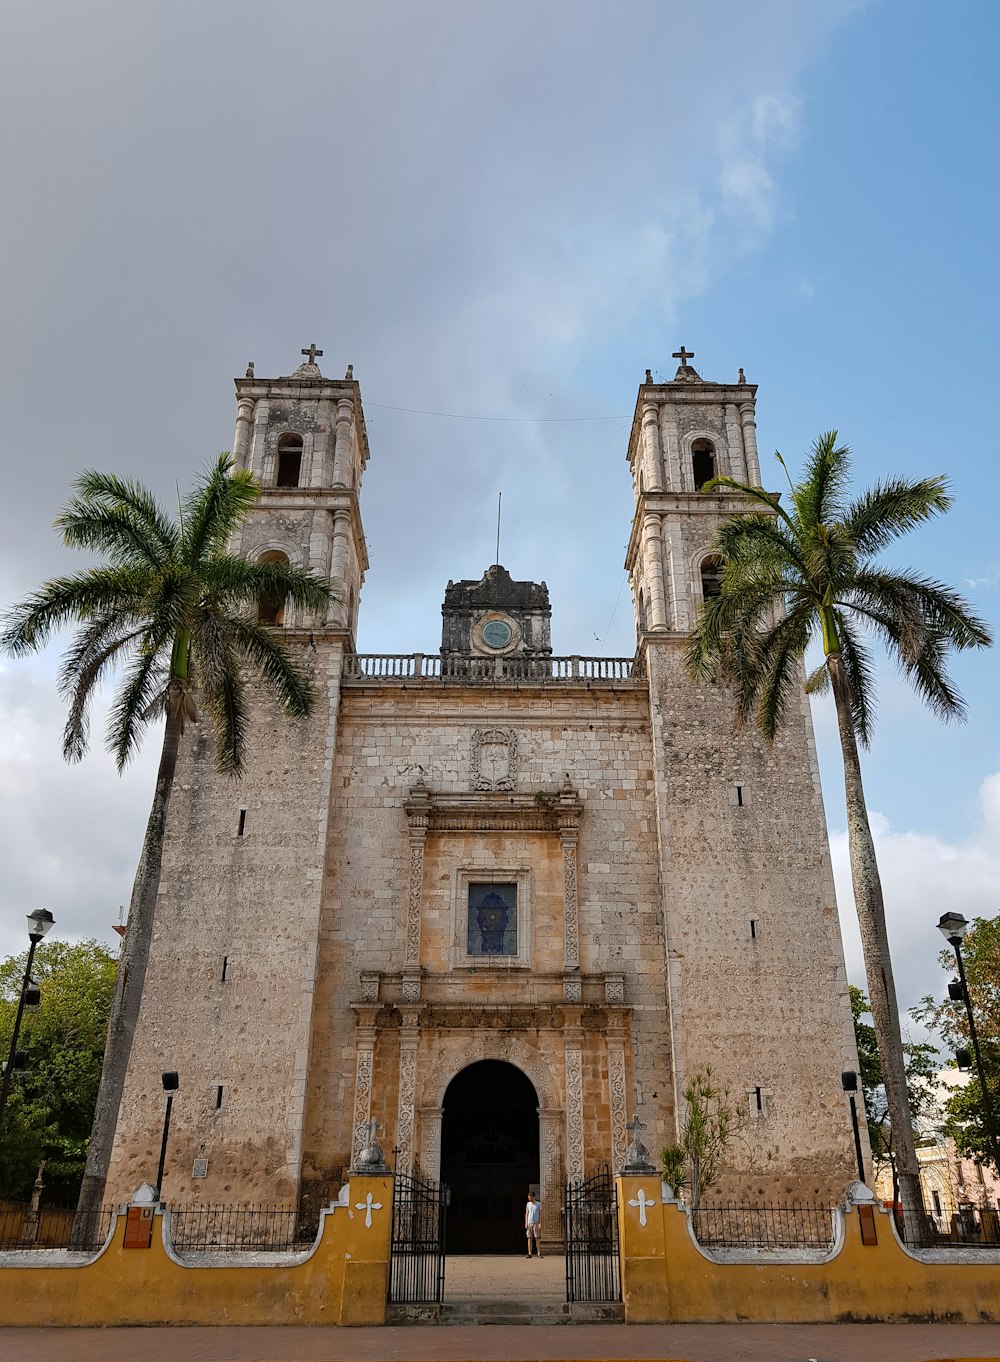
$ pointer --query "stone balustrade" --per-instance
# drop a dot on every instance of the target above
(513, 669)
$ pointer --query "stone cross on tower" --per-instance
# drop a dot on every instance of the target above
(681, 354)
(312, 352)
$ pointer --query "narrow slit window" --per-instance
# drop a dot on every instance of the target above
(753, 929)
(757, 1093)
(218, 1097)
(242, 824)
(225, 968)
(739, 797)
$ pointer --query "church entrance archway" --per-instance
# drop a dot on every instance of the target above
(489, 1156)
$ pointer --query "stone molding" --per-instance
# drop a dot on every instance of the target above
(492, 811)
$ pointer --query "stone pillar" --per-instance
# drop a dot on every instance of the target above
(671, 444)
(676, 574)
(652, 546)
(734, 439)
(418, 820)
(550, 1172)
(344, 442)
(244, 425)
(750, 442)
(364, 1069)
(652, 455)
(569, 829)
(259, 461)
(409, 1039)
(615, 1041)
(340, 562)
(430, 1141)
(573, 1042)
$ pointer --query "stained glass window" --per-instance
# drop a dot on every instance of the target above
(492, 919)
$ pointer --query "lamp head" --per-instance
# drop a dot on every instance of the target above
(39, 922)
(953, 927)
(171, 1082)
(849, 1080)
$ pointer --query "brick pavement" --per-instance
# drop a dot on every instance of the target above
(580, 1343)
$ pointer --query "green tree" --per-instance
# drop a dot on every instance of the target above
(711, 1122)
(922, 1064)
(964, 1118)
(176, 614)
(51, 1104)
(809, 572)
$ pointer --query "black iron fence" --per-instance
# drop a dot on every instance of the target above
(53, 1228)
(240, 1229)
(416, 1265)
(764, 1226)
(969, 1226)
(593, 1268)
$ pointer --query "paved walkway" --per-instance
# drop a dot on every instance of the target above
(579, 1343)
(506, 1277)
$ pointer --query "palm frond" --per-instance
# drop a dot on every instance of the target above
(265, 651)
(108, 490)
(95, 651)
(939, 607)
(218, 671)
(227, 577)
(891, 508)
(818, 496)
(137, 702)
(215, 508)
(28, 625)
(779, 664)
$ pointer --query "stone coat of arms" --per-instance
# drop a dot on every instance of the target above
(494, 759)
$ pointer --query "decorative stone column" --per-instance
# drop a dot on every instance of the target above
(258, 460)
(418, 817)
(652, 546)
(343, 443)
(550, 1169)
(671, 445)
(430, 1141)
(750, 442)
(409, 1039)
(652, 456)
(573, 1042)
(734, 439)
(244, 425)
(363, 1073)
(614, 994)
(569, 832)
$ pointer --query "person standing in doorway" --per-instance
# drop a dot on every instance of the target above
(533, 1224)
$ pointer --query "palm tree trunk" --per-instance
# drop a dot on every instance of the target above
(129, 982)
(878, 964)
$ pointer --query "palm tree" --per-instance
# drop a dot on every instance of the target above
(176, 615)
(790, 576)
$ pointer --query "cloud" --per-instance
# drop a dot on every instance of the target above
(923, 876)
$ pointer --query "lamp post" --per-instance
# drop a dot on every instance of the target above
(953, 927)
(171, 1082)
(849, 1080)
(39, 922)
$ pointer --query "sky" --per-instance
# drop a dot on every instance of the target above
(502, 214)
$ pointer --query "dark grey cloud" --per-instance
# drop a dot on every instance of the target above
(492, 209)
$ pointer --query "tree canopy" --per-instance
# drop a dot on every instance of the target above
(51, 1103)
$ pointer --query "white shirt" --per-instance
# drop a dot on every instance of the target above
(533, 1213)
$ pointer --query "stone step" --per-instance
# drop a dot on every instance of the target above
(508, 1312)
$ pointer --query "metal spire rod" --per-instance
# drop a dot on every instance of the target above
(499, 500)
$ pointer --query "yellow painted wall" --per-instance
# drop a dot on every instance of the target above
(666, 1278)
(343, 1282)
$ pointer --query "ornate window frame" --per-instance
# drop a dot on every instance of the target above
(498, 874)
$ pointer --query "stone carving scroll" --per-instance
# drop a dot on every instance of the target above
(418, 822)
(407, 1091)
(616, 1083)
(362, 1093)
(494, 759)
(574, 1113)
(571, 913)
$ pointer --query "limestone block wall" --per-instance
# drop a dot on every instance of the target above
(758, 988)
(391, 738)
(228, 999)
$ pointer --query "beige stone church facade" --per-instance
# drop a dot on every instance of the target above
(494, 899)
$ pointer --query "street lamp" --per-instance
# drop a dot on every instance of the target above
(39, 922)
(171, 1082)
(953, 927)
(849, 1080)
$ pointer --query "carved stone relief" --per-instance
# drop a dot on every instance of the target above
(574, 1113)
(616, 1083)
(407, 1089)
(362, 1093)
(494, 759)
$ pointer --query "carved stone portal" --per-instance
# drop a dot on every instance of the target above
(494, 759)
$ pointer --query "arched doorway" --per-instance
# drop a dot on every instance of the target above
(489, 1156)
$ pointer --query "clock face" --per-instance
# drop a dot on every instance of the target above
(497, 634)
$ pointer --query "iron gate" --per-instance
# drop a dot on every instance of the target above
(593, 1270)
(416, 1264)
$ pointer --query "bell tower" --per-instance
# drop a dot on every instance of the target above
(684, 433)
(304, 439)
